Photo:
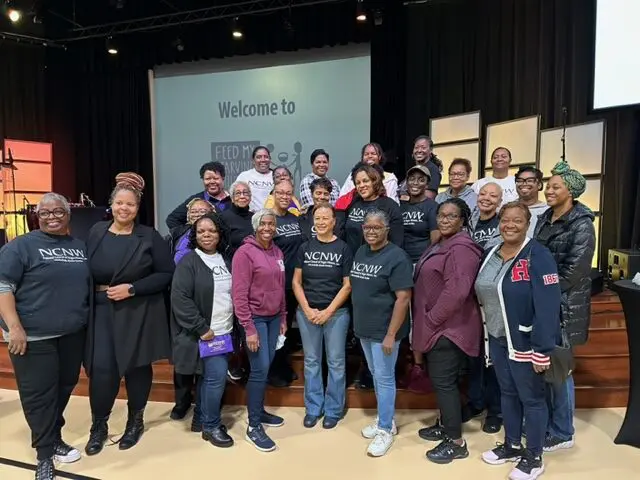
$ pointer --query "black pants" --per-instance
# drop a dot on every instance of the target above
(183, 385)
(46, 375)
(444, 362)
(105, 377)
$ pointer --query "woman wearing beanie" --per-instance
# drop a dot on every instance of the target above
(131, 268)
(566, 229)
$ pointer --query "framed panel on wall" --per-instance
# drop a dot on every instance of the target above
(455, 128)
(584, 148)
(468, 150)
(521, 136)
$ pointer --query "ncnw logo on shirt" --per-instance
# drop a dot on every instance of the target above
(366, 268)
(68, 255)
(220, 271)
(260, 184)
(323, 257)
(289, 228)
(411, 218)
(357, 214)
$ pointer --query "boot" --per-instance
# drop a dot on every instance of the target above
(133, 431)
(98, 435)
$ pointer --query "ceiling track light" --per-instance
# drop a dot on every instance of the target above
(361, 15)
(235, 30)
(112, 49)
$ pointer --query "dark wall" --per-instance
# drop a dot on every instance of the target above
(514, 58)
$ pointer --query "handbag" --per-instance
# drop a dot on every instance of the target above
(562, 361)
(218, 345)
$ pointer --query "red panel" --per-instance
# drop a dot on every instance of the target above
(34, 151)
(29, 177)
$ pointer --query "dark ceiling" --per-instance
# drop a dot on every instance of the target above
(67, 21)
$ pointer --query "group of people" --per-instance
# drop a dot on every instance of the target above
(485, 278)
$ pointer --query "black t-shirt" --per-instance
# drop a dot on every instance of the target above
(485, 230)
(375, 277)
(288, 238)
(51, 278)
(324, 266)
(419, 220)
(354, 218)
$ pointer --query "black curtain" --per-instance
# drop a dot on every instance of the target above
(514, 58)
(22, 92)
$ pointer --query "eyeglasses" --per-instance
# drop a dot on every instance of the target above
(283, 194)
(457, 175)
(526, 181)
(57, 213)
(242, 193)
(373, 228)
(452, 217)
(200, 211)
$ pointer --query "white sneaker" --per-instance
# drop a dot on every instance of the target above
(381, 444)
(370, 431)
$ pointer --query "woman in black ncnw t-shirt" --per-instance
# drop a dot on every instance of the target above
(381, 282)
(44, 306)
(321, 285)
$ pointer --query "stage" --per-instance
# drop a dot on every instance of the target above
(601, 374)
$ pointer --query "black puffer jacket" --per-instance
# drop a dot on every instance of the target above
(572, 241)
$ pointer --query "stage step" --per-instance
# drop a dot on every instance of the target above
(601, 374)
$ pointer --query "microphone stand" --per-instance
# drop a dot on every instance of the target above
(563, 139)
(13, 185)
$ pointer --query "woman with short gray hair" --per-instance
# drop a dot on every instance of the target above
(258, 298)
(44, 307)
(237, 217)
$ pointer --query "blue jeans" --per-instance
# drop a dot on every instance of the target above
(210, 391)
(523, 395)
(334, 333)
(383, 371)
(268, 329)
(484, 391)
(561, 400)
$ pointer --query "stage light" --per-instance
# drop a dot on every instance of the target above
(111, 48)
(14, 15)
(361, 16)
(235, 30)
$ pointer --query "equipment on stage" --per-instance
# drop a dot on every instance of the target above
(623, 264)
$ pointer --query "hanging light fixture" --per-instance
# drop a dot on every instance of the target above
(361, 16)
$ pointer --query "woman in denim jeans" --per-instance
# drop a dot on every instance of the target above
(321, 286)
(258, 298)
(381, 281)
(202, 311)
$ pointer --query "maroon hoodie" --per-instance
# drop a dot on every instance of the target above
(258, 283)
(444, 301)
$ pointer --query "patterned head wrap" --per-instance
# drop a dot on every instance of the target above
(130, 181)
(573, 179)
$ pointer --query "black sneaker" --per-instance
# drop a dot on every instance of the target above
(271, 420)
(434, 433)
(447, 451)
(528, 468)
(551, 444)
(65, 453)
(235, 373)
(45, 470)
(492, 425)
(259, 438)
(502, 454)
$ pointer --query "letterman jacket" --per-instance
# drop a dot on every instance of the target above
(529, 295)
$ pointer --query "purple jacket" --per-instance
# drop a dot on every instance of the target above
(257, 286)
(444, 301)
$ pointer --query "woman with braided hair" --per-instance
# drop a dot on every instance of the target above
(566, 229)
(446, 322)
(131, 269)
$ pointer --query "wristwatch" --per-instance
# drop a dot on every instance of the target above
(132, 290)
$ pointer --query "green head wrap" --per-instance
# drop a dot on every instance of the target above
(573, 179)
